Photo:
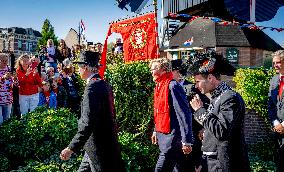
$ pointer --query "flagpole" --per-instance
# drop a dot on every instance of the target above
(79, 34)
(156, 27)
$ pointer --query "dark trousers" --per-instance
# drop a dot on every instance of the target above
(173, 160)
(213, 164)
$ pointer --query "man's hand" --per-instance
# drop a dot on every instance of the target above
(201, 134)
(154, 138)
(66, 154)
(186, 149)
(279, 129)
(196, 102)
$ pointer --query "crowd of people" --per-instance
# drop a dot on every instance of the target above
(46, 79)
(198, 126)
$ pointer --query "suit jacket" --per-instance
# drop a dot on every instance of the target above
(97, 128)
(180, 121)
(275, 103)
(223, 123)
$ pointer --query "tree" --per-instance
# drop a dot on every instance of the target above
(47, 33)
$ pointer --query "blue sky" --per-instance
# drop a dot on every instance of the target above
(96, 14)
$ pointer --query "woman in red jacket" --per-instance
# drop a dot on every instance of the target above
(29, 84)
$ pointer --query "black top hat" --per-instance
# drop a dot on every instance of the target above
(180, 65)
(210, 63)
(176, 64)
(89, 58)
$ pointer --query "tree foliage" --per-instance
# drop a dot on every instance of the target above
(253, 85)
(47, 33)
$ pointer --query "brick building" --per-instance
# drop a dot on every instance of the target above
(19, 40)
(241, 46)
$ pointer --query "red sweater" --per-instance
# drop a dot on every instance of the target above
(161, 103)
(28, 85)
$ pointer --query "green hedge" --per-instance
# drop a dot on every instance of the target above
(253, 85)
(37, 135)
(133, 88)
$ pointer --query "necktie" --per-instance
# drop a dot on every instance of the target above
(281, 86)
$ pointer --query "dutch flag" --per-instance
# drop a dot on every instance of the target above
(83, 28)
(188, 42)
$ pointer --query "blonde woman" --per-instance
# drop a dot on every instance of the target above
(64, 51)
(29, 83)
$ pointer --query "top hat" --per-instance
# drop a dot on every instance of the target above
(89, 58)
(210, 63)
(176, 64)
(180, 65)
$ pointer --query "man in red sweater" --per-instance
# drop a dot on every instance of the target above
(172, 117)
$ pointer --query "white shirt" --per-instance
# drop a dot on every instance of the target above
(90, 77)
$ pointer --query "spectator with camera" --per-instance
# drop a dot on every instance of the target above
(29, 83)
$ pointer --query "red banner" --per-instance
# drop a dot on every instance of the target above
(139, 37)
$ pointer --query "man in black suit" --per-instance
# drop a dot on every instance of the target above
(194, 161)
(172, 118)
(96, 126)
(223, 143)
(275, 104)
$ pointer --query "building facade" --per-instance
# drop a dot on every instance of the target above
(243, 47)
(19, 40)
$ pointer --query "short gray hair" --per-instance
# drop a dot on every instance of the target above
(279, 53)
(165, 64)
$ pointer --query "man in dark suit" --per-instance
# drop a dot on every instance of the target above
(275, 103)
(96, 126)
(223, 144)
(194, 161)
(172, 118)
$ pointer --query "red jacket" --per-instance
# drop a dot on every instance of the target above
(28, 85)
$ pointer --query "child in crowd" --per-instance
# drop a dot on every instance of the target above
(59, 90)
(47, 97)
(43, 76)
(50, 72)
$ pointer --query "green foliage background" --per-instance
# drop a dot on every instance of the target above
(253, 85)
(47, 33)
(36, 136)
(133, 88)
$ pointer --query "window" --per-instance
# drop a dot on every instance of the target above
(30, 46)
(185, 54)
(27, 46)
(19, 44)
